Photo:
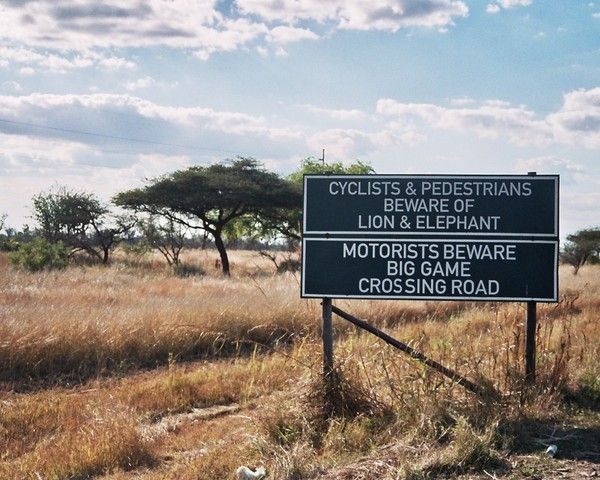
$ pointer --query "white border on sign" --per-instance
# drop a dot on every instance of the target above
(425, 232)
(430, 240)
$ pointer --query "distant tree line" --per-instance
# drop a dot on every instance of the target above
(582, 247)
(235, 203)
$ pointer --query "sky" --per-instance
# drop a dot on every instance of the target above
(102, 95)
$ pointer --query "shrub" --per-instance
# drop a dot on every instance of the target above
(39, 254)
(587, 392)
(185, 270)
(9, 245)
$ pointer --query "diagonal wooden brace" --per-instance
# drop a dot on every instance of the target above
(459, 379)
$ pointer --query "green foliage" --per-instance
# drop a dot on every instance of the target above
(213, 197)
(168, 237)
(40, 254)
(9, 245)
(586, 393)
(286, 222)
(186, 270)
(79, 220)
(581, 247)
(66, 215)
(469, 451)
(137, 248)
(314, 166)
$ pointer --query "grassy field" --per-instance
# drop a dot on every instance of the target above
(130, 371)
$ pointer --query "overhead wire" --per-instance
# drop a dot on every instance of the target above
(117, 137)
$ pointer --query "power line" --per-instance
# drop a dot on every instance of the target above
(116, 137)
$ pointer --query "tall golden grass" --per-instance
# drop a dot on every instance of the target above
(89, 320)
(257, 344)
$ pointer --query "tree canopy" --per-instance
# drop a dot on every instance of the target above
(313, 165)
(210, 197)
(581, 247)
(80, 221)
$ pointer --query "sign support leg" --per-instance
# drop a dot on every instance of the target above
(327, 353)
(531, 327)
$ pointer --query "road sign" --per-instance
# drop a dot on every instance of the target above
(445, 237)
(503, 206)
(428, 269)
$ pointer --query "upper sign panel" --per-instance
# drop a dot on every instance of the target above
(465, 205)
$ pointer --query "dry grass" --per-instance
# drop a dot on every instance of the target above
(260, 349)
(87, 321)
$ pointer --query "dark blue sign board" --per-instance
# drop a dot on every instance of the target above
(492, 238)
(430, 269)
(502, 206)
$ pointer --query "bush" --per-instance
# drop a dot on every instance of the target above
(9, 245)
(39, 254)
(185, 270)
(587, 392)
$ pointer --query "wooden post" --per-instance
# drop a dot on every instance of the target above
(327, 357)
(530, 343)
(327, 339)
(531, 327)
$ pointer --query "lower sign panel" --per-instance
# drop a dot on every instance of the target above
(494, 270)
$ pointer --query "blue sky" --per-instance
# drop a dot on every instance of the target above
(101, 94)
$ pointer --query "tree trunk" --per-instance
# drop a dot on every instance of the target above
(222, 252)
(105, 254)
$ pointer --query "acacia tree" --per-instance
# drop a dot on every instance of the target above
(581, 247)
(211, 197)
(80, 221)
(168, 237)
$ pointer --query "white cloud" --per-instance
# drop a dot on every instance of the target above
(86, 25)
(262, 51)
(351, 143)
(578, 209)
(29, 165)
(110, 117)
(577, 121)
(63, 63)
(487, 121)
(153, 165)
(514, 3)
(388, 15)
(284, 34)
(25, 154)
(462, 101)
(281, 52)
(506, 4)
(231, 35)
(71, 34)
(140, 83)
(343, 144)
(549, 164)
(116, 63)
(336, 114)
(26, 71)
(12, 85)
